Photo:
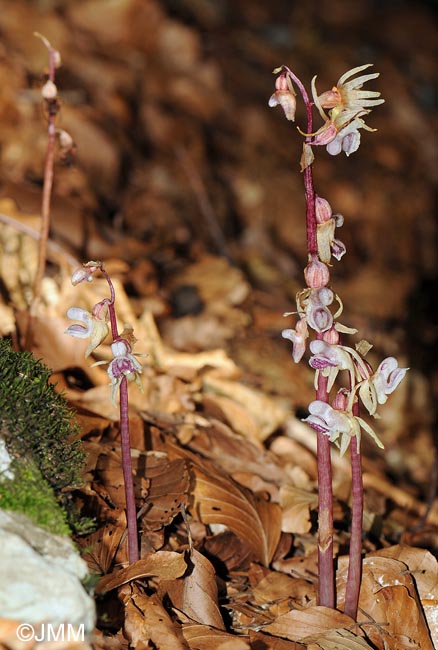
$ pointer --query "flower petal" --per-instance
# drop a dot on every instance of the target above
(78, 331)
(77, 313)
(352, 72)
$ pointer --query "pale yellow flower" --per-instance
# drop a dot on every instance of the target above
(348, 104)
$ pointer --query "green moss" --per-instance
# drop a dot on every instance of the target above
(29, 493)
(36, 426)
(35, 421)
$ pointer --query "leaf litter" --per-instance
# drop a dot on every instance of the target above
(225, 472)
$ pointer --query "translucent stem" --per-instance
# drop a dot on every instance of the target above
(355, 558)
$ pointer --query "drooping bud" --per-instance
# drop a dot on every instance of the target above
(80, 275)
(84, 273)
(284, 96)
(316, 273)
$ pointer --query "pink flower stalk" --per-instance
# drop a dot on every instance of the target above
(347, 104)
(124, 367)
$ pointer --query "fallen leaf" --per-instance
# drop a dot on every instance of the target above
(219, 500)
(296, 505)
(147, 623)
(165, 565)
(202, 637)
(99, 549)
(247, 410)
(268, 642)
(296, 625)
(338, 640)
(195, 594)
(390, 604)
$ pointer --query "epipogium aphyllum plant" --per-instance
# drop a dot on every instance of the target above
(335, 413)
(124, 367)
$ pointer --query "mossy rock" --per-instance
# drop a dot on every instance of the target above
(29, 493)
(40, 437)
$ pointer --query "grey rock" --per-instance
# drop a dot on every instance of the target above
(40, 576)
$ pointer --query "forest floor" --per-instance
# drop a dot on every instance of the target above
(188, 187)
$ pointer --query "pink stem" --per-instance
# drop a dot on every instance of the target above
(52, 107)
(312, 245)
(131, 513)
(355, 558)
(326, 581)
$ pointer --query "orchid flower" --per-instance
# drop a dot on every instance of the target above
(339, 426)
(347, 104)
(319, 317)
(95, 325)
(382, 383)
(298, 337)
(329, 360)
(124, 364)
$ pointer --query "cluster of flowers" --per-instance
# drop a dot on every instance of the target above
(95, 326)
(348, 104)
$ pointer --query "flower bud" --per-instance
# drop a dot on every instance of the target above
(316, 273)
(49, 91)
(65, 139)
(81, 274)
(325, 296)
(100, 310)
(340, 401)
(323, 210)
(284, 96)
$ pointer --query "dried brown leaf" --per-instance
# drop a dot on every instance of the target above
(248, 411)
(296, 625)
(219, 500)
(147, 623)
(166, 565)
(196, 593)
(168, 485)
(267, 642)
(230, 549)
(234, 453)
(277, 586)
(202, 637)
(424, 569)
(100, 548)
(389, 600)
(338, 640)
(296, 505)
